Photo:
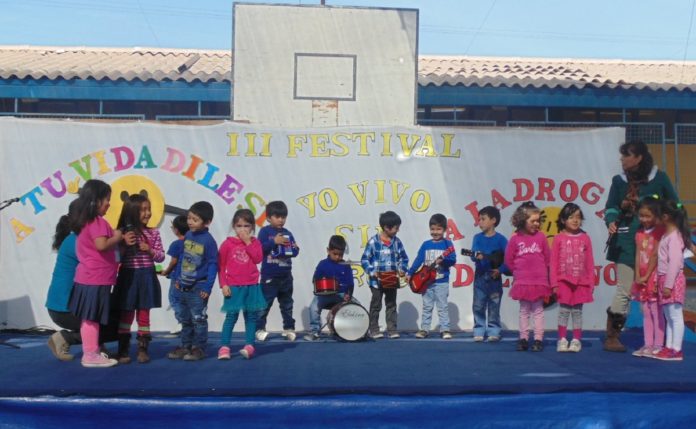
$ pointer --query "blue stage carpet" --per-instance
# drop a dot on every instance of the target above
(385, 383)
(523, 411)
(406, 366)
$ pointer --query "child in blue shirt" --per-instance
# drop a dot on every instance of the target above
(197, 268)
(488, 253)
(176, 248)
(384, 253)
(439, 251)
(279, 247)
(332, 267)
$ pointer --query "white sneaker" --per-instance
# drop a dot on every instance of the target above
(261, 335)
(575, 346)
(312, 336)
(478, 338)
(289, 334)
(562, 345)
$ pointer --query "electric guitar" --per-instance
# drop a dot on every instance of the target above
(426, 274)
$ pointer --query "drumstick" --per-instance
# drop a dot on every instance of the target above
(349, 262)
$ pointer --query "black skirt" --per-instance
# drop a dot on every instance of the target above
(138, 289)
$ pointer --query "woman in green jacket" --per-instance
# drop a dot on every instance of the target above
(640, 178)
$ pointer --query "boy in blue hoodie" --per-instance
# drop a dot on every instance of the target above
(279, 247)
(438, 251)
(332, 267)
(197, 269)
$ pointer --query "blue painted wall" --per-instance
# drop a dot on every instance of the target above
(122, 90)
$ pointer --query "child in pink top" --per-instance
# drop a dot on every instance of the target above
(671, 284)
(644, 288)
(527, 257)
(239, 280)
(572, 274)
(97, 247)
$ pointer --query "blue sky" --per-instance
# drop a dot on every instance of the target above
(622, 29)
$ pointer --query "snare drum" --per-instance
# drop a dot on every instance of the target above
(325, 286)
(388, 279)
(349, 321)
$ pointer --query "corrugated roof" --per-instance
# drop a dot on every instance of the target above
(553, 73)
(215, 66)
(114, 63)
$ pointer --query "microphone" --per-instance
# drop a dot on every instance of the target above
(623, 214)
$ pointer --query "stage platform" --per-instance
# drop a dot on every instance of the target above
(405, 382)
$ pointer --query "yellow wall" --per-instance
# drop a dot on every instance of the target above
(687, 171)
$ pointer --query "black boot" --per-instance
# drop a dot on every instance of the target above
(143, 343)
(615, 323)
(124, 348)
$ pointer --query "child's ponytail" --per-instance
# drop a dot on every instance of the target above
(677, 213)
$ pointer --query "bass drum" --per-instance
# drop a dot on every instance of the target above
(349, 321)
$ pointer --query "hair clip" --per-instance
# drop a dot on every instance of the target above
(655, 196)
(680, 205)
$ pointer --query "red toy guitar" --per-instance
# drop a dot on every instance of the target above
(426, 275)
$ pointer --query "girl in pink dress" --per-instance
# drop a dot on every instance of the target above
(572, 274)
(671, 284)
(644, 288)
(527, 257)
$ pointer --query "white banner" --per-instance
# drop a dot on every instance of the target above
(335, 180)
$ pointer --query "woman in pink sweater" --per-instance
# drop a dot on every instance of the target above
(572, 274)
(527, 257)
(239, 280)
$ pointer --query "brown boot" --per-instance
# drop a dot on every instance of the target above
(615, 322)
(124, 348)
(143, 343)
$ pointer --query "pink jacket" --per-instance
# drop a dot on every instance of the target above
(527, 257)
(237, 262)
(670, 257)
(572, 260)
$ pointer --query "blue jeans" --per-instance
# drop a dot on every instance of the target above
(280, 288)
(321, 302)
(436, 294)
(193, 316)
(487, 295)
(174, 299)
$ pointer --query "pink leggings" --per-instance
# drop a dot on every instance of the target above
(89, 331)
(653, 324)
(534, 309)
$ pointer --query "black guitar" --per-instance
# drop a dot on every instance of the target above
(496, 258)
